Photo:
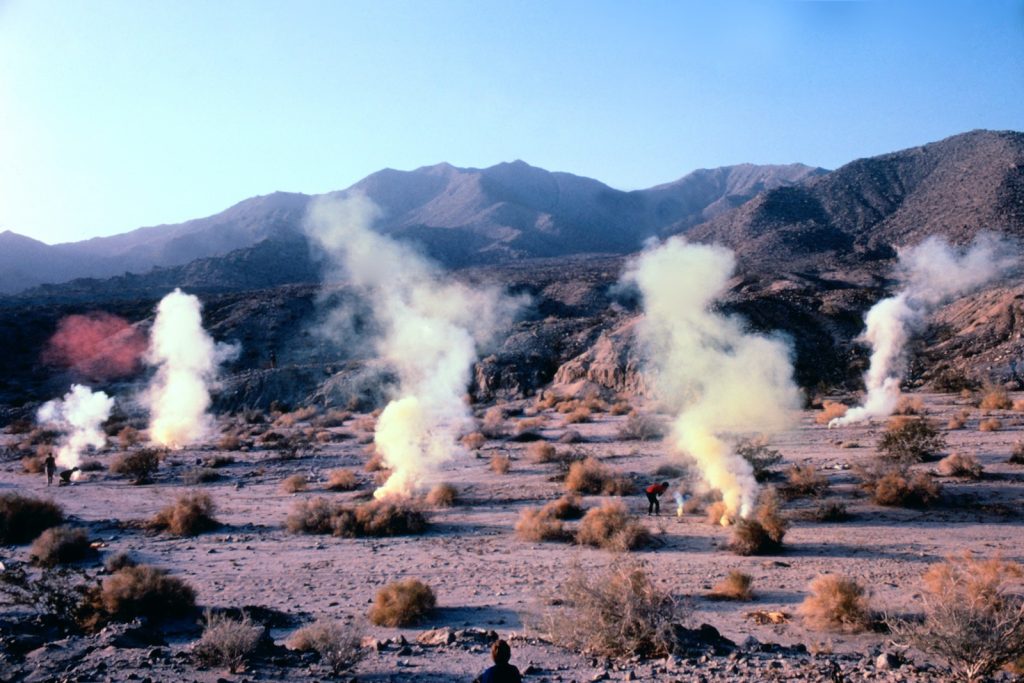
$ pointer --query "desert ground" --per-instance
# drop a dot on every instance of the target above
(486, 579)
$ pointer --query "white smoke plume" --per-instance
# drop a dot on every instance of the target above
(724, 380)
(930, 274)
(187, 362)
(431, 328)
(78, 416)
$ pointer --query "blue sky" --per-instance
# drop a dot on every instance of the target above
(115, 115)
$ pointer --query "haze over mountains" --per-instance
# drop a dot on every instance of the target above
(459, 216)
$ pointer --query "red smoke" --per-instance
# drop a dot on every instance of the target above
(96, 345)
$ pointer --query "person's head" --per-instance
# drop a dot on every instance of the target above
(664, 484)
(501, 653)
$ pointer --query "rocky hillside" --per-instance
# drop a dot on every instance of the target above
(858, 213)
(813, 258)
(459, 216)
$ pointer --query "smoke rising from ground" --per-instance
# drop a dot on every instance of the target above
(97, 346)
(78, 416)
(930, 274)
(187, 361)
(724, 380)
(429, 330)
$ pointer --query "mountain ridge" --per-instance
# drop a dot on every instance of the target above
(460, 215)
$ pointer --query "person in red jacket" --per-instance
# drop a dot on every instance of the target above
(653, 491)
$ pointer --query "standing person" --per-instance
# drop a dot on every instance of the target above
(653, 491)
(50, 464)
(502, 671)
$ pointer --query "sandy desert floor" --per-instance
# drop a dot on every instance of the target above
(487, 579)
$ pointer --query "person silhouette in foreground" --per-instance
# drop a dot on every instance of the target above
(50, 464)
(502, 671)
(653, 491)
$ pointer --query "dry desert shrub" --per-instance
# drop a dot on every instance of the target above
(612, 527)
(334, 417)
(990, 424)
(836, 603)
(735, 586)
(442, 495)
(567, 406)
(717, 512)
(830, 410)
(339, 646)
(620, 408)
(995, 398)
(119, 560)
(546, 400)
(669, 471)
(616, 612)
(474, 441)
(959, 420)
(23, 518)
(896, 485)
(296, 416)
(294, 483)
(230, 442)
(139, 466)
(1018, 405)
(144, 591)
(590, 476)
(386, 517)
(191, 514)
(830, 512)
(578, 415)
(61, 545)
(960, 465)
(365, 423)
(402, 603)
(973, 617)
(541, 452)
(194, 476)
(530, 424)
(641, 427)
(218, 461)
(804, 480)
(539, 524)
(91, 465)
(911, 440)
(568, 506)
(909, 405)
(33, 464)
(375, 462)
(763, 532)
(1017, 454)
(342, 480)
(228, 642)
(313, 516)
(570, 436)
(760, 457)
(493, 424)
(127, 437)
(500, 464)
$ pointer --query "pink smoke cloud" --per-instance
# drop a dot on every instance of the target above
(97, 346)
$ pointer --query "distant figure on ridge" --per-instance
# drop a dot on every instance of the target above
(653, 491)
(502, 671)
(50, 465)
(65, 476)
